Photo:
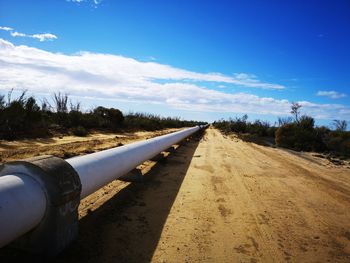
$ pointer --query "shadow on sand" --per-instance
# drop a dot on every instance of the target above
(128, 226)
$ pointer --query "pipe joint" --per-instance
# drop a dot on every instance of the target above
(62, 188)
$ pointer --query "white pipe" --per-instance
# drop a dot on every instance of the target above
(22, 206)
(98, 169)
(23, 201)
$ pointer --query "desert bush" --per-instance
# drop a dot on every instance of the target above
(12, 120)
(259, 128)
(90, 121)
(108, 118)
(271, 131)
(61, 102)
(301, 135)
(285, 135)
(282, 121)
(239, 124)
(61, 106)
(115, 118)
(79, 131)
(21, 117)
(143, 121)
(222, 125)
(338, 141)
(340, 125)
(75, 118)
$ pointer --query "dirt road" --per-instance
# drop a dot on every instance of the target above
(219, 199)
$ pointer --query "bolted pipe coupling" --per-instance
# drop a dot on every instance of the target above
(62, 187)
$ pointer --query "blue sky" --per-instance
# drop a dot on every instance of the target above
(201, 60)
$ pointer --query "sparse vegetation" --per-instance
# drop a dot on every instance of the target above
(22, 117)
(297, 133)
(241, 125)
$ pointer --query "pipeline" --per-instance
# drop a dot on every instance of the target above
(98, 169)
(42, 193)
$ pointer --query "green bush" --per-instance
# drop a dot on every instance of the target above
(300, 136)
(21, 117)
(108, 118)
(271, 131)
(285, 135)
(339, 141)
(259, 128)
(79, 131)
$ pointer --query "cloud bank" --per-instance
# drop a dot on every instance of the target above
(106, 76)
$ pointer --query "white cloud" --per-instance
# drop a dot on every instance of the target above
(6, 28)
(95, 3)
(44, 37)
(331, 94)
(106, 76)
(17, 34)
(40, 37)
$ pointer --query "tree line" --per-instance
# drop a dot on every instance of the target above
(23, 117)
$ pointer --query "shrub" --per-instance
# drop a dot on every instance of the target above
(79, 131)
(109, 118)
(301, 135)
(21, 117)
(339, 141)
(285, 135)
(239, 124)
(74, 118)
(271, 131)
(259, 128)
(61, 114)
(223, 126)
(340, 125)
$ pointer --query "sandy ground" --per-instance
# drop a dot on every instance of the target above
(69, 146)
(219, 199)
